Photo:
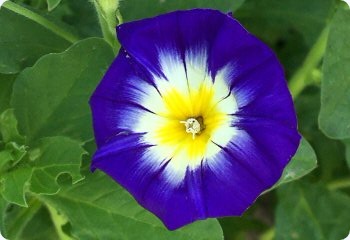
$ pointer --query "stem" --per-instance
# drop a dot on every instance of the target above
(23, 218)
(40, 20)
(302, 77)
(338, 184)
(108, 14)
(58, 220)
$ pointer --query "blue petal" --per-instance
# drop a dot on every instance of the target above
(250, 164)
(178, 31)
(130, 162)
(117, 103)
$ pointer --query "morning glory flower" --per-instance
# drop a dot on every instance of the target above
(194, 117)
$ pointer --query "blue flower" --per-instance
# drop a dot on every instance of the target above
(194, 117)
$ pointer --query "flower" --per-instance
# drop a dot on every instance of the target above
(194, 117)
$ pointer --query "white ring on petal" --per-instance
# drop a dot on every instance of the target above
(176, 78)
(196, 60)
(173, 69)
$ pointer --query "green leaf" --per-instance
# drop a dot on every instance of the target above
(5, 158)
(25, 36)
(6, 82)
(330, 153)
(81, 15)
(60, 223)
(11, 155)
(14, 185)
(240, 228)
(17, 218)
(52, 4)
(335, 92)
(52, 157)
(40, 226)
(278, 14)
(309, 211)
(137, 9)
(31, 223)
(18, 152)
(3, 207)
(301, 164)
(51, 98)
(290, 27)
(347, 151)
(8, 127)
(237, 4)
(49, 158)
(109, 212)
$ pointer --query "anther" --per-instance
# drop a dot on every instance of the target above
(192, 126)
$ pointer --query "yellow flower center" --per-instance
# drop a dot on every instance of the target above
(190, 120)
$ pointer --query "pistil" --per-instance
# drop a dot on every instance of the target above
(194, 126)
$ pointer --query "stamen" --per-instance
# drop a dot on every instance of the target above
(192, 126)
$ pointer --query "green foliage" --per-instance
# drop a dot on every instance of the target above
(330, 153)
(51, 98)
(301, 164)
(24, 37)
(17, 218)
(288, 13)
(309, 211)
(113, 208)
(5, 158)
(40, 226)
(6, 82)
(8, 127)
(137, 9)
(47, 75)
(3, 207)
(79, 15)
(52, 157)
(347, 146)
(334, 114)
(14, 184)
(290, 27)
(52, 4)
